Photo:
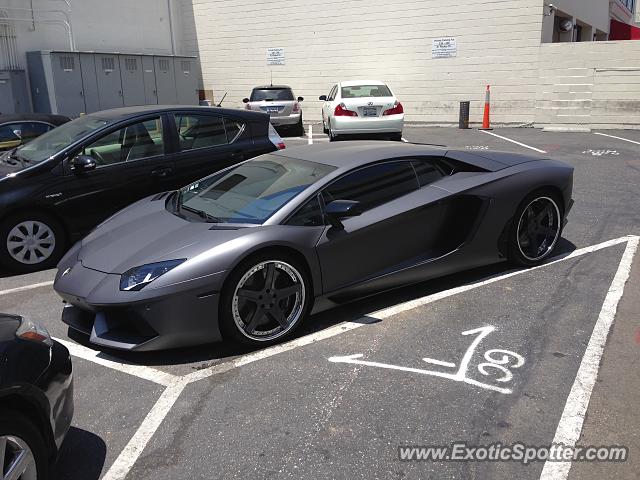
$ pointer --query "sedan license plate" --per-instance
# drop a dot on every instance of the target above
(370, 112)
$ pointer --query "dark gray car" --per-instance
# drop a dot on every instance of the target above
(249, 252)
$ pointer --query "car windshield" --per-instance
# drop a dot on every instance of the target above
(359, 91)
(55, 140)
(253, 191)
(271, 94)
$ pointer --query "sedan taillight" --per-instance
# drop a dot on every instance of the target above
(395, 110)
(342, 111)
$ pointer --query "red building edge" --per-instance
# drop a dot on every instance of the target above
(623, 31)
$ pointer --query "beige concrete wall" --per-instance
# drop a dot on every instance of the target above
(595, 84)
(327, 41)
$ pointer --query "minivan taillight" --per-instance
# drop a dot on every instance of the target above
(395, 110)
(342, 111)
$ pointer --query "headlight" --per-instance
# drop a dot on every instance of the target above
(139, 277)
(33, 332)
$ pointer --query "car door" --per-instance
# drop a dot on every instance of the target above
(206, 143)
(398, 228)
(327, 105)
(130, 164)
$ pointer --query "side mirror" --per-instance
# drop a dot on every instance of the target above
(339, 209)
(301, 99)
(322, 97)
(245, 100)
(83, 163)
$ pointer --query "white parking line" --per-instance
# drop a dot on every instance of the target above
(572, 419)
(310, 134)
(618, 138)
(140, 371)
(131, 452)
(404, 140)
(26, 287)
(513, 141)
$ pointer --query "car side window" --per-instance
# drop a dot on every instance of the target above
(375, 185)
(200, 131)
(427, 171)
(332, 93)
(309, 215)
(133, 142)
(234, 128)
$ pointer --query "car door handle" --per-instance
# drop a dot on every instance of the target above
(162, 172)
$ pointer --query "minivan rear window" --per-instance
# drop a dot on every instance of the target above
(271, 94)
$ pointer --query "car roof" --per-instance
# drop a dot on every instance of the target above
(271, 87)
(352, 83)
(122, 113)
(352, 154)
(34, 117)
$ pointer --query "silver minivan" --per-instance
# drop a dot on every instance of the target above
(280, 103)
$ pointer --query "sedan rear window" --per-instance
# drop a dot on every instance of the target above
(271, 94)
(360, 91)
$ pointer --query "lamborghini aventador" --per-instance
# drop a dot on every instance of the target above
(248, 253)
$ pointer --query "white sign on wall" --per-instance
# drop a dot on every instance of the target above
(275, 56)
(444, 47)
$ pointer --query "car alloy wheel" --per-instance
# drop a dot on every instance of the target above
(31, 242)
(538, 228)
(269, 300)
(16, 459)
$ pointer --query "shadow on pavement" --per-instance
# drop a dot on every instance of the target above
(81, 458)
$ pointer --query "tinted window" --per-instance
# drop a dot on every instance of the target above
(254, 190)
(133, 142)
(259, 94)
(373, 186)
(427, 172)
(233, 128)
(310, 214)
(358, 91)
(23, 131)
(200, 131)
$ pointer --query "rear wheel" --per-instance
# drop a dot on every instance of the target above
(25, 454)
(299, 128)
(30, 242)
(536, 228)
(332, 136)
(265, 299)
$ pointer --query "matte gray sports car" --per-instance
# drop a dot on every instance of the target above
(246, 253)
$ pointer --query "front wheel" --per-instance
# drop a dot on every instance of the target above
(265, 299)
(25, 454)
(536, 228)
(30, 242)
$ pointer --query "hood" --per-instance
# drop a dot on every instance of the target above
(9, 165)
(146, 233)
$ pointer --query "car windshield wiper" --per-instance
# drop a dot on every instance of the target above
(201, 213)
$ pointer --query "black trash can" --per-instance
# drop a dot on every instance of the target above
(463, 123)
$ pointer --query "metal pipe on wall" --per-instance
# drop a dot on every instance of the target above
(171, 33)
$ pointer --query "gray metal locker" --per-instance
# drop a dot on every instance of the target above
(186, 80)
(13, 92)
(165, 81)
(109, 81)
(89, 82)
(149, 76)
(132, 80)
(67, 80)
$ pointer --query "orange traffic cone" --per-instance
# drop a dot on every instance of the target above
(486, 121)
